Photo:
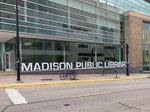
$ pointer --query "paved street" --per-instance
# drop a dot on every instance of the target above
(122, 96)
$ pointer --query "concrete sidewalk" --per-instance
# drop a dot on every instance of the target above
(9, 80)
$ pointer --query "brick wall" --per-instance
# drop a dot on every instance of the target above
(133, 36)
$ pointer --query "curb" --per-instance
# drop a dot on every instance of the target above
(61, 83)
(7, 74)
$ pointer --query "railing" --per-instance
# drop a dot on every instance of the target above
(110, 71)
(66, 73)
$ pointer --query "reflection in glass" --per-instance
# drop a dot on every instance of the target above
(35, 50)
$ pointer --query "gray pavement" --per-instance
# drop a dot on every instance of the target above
(122, 96)
(11, 78)
(4, 100)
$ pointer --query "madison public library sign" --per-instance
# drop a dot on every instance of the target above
(69, 65)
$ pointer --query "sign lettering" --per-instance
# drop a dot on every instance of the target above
(69, 65)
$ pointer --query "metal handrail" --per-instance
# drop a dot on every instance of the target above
(110, 70)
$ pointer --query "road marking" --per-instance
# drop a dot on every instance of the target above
(95, 94)
(15, 97)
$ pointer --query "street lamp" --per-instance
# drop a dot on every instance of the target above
(126, 47)
(92, 53)
(17, 43)
(127, 64)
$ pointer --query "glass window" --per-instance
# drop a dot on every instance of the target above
(27, 44)
(39, 44)
(146, 46)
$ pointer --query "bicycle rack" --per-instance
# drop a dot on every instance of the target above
(110, 70)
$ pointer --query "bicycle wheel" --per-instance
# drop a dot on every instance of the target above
(63, 76)
(73, 76)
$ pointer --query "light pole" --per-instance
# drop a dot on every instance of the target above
(92, 53)
(127, 64)
(17, 43)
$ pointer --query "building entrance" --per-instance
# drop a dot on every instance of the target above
(9, 61)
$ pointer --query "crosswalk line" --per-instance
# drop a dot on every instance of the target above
(15, 97)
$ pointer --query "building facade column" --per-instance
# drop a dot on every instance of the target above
(133, 37)
(3, 56)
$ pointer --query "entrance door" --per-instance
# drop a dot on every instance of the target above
(7, 61)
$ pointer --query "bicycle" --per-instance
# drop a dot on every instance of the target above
(67, 73)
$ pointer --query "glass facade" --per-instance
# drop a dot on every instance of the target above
(79, 20)
(146, 46)
(34, 50)
(94, 30)
(86, 20)
(40, 50)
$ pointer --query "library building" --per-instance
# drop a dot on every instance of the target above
(87, 35)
